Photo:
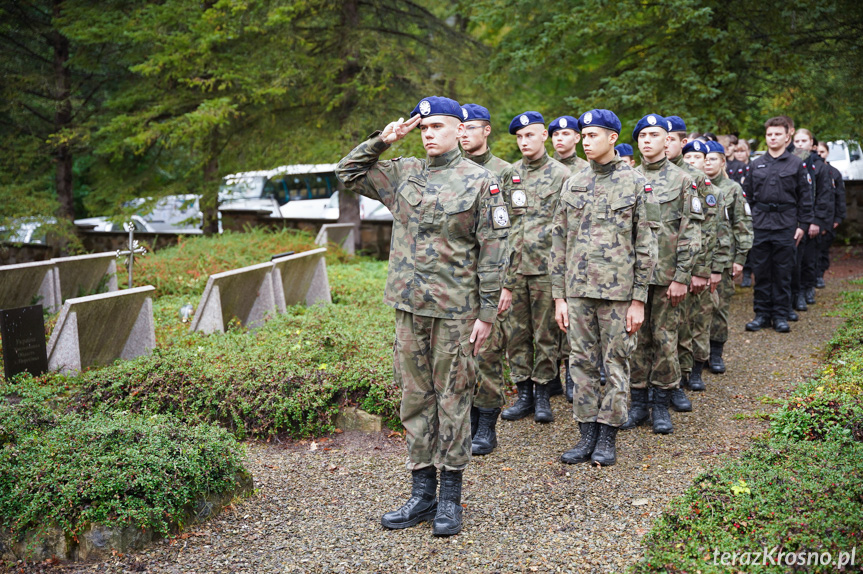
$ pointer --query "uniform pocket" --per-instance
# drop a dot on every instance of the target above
(620, 211)
(460, 219)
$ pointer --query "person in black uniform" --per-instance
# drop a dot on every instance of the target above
(779, 194)
(839, 213)
(823, 202)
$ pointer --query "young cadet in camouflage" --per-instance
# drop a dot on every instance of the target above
(604, 248)
(565, 137)
(448, 248)
(691, 324)
(678, 242)
(489, 397)
(533, 341)
(738, 236)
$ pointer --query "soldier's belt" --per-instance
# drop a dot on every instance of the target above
(780, 207)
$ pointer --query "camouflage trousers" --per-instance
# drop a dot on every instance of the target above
(693, 336)
(655, 356)
(434, 367)
(533, 340)
(597, 332)
(489, 392)
(721, 305)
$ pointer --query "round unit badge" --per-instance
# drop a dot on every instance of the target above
(523, 119)
(562, 123)
(696, 205)
(711, 200)
(588, 117)
(425, 108)
(519, 199)
(501, 217)
(651, 120)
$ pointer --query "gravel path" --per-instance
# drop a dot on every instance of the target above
(319, 506)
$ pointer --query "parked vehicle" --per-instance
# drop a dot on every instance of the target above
(847, 157)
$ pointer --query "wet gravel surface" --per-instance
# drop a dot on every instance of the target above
(318, 504)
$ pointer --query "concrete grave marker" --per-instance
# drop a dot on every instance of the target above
(342, 234)
(301, 278)
(83, 274)
(245, 293)
(23, 333)
(99, 329)
(27, 283)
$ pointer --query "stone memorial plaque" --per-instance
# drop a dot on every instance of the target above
(23, 333)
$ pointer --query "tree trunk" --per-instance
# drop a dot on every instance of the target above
(62, 120)
(210, 195)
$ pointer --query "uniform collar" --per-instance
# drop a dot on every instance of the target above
(565, 160)
(481, 158)
(678, 161)
(537, 163)
(655, 165)
(445, 158)
(607, 168)
(720, 177)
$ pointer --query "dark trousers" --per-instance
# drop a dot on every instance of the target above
(773, 262)
(806, 268)
(824, 259)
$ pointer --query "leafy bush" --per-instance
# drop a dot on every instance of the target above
(184, 269)
(25, 405)
(114, 469)
(290, 375)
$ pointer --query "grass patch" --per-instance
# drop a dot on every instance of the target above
(797, 493)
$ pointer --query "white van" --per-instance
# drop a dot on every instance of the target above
(847, 158)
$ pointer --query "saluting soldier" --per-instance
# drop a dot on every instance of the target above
(533, 342)
(693, 335)
(738, 236)
(447, 252)
(602, 262)
(565, 137)
(655, 363)
(489, 397)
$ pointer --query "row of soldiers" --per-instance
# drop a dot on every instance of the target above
(546, 260)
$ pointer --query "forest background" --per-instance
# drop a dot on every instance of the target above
(103, 102)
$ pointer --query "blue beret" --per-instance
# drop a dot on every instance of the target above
(563, 123)
(524, 120)
(475, 112)
(599, 119)
(438, 106)
(696, 146)
(675, 124)
(715, 147)
(624, 149)
(650, 120)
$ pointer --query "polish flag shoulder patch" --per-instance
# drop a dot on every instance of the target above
(516, 179)
(494, 189)
(648, 188)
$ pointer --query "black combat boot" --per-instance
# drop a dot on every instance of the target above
(447, 521)
(792, 315)
(542, 405)
(474, 420)
(485, 440)
(554, 387)
(639, 411)
(661, 418)
(524, 405)
(810, 295)
(421, 506)
(605, 453)
(819, 283)
(679, 401)
(799, 302)
(758, 323)
(747, 279)
(696, 383)
(570, 384)
(780, 325)
(581, 452)
(717, 365)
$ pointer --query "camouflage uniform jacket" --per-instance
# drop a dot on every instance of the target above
(492, 163)
(679, 235)
(534, 189)
(573, 162)
(450, 227)
(708, 260)
(739, 229)
(604, 234)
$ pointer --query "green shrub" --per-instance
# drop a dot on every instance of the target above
(184, 269)
(114, 469)
(290, 375)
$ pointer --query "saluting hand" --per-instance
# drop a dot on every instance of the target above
(397, 130)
